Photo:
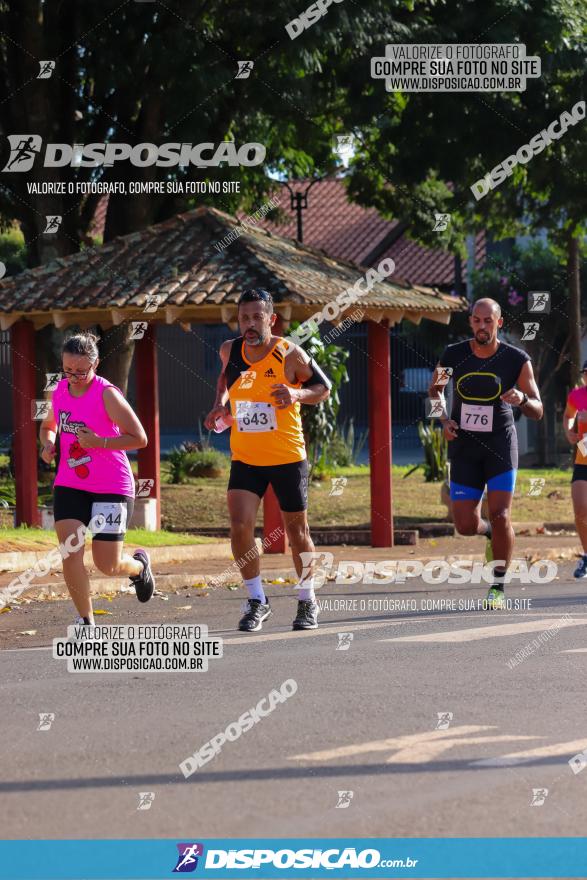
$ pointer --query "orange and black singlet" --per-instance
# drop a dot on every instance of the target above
(262, 434)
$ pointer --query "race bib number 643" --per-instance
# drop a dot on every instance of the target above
(255, 416)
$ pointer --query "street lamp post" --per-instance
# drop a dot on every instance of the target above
(299, 203)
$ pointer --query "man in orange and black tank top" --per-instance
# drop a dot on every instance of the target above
(264, 380)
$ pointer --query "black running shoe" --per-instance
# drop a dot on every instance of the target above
(144, 583)
(307, 616)
(255, 615)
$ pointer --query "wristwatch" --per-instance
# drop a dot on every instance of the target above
(524, 400)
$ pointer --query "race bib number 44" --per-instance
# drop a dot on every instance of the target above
(110, 517)
(476, 418)
(253, 416)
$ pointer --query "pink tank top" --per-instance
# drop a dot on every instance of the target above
(94, 470)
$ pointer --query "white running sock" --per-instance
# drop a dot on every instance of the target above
(255, 589)
(306, 593)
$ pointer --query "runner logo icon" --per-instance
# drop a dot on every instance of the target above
(23, 150)
(187, 860)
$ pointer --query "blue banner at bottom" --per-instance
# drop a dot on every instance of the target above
(303, 858)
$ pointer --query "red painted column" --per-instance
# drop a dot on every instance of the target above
(147, 389)
(379, 385)
(25, 429)
(272, 518)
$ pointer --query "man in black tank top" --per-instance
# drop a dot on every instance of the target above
(483, 446)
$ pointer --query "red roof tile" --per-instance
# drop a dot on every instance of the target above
(436, 268)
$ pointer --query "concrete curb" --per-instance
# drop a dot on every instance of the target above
(168, 583)
(21, 560)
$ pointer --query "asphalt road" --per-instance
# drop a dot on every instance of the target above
(363, 720)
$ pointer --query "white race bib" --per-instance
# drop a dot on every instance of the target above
(476, 418)
(109, 518)
(254, 416)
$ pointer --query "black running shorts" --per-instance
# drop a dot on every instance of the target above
(113, 512)
(579, 472)
(289, 481)
(490, 460)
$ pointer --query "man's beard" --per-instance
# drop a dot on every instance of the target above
(257, 339)
(482, 337)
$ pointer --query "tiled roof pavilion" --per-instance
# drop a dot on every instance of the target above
(178, 261)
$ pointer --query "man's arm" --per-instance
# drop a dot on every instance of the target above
(299, 367)
(527, 395)
(436, 392)
(219, 408)
(436, 388)
(315, 383)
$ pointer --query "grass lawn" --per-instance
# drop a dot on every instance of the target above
(39, 539)
(202, 502)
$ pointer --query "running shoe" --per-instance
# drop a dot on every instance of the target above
(495, 600)
(581, 570)
(488, 550)
(307, 616)
(256, 613)
(144, 583)
(79, 621)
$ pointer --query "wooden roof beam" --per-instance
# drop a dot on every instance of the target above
(6, 321)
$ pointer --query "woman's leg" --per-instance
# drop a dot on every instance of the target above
(579, 496)
(111, 559)
(71, 536)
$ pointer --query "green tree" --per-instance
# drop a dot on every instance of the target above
(153, 73)
(420, 153)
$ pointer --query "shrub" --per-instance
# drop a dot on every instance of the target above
(435, 448)
(187, 462)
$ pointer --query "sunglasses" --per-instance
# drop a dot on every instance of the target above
(71, 375)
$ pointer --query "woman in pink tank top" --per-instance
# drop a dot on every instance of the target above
(89, 428)
(575, 427)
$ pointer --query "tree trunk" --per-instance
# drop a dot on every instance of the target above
(573, 268)
(49, 341)
(116, 352)
(542, 447)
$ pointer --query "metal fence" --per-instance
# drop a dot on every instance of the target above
(189, 365)
(5, 388)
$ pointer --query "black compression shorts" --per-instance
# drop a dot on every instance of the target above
(289, 481)
(579, 472)
(491, 459)
(115, 511)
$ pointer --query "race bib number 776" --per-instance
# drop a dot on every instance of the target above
(476, 418)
